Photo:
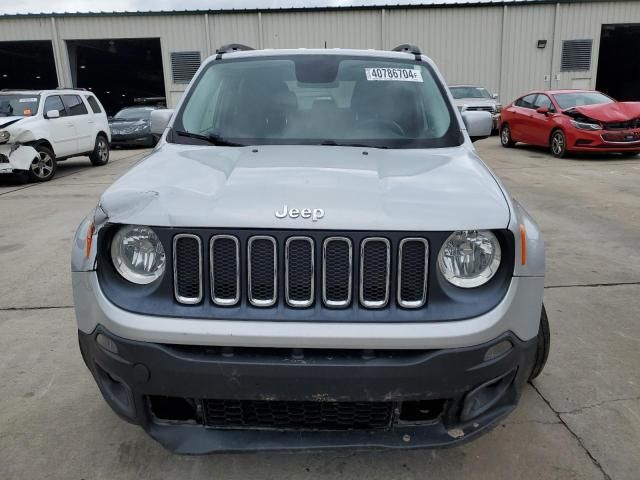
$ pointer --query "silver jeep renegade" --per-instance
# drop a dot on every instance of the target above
(313, 256)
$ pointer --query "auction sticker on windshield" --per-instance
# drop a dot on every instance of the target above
(393, 74)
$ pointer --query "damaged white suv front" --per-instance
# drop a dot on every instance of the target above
(40, 128)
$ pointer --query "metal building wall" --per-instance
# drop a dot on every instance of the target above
(352, 29)
(464, 42)
(525, 66)
(491, 45)
(582, 21)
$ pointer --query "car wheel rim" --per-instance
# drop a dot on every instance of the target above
(505, 135)
(103, 152)
(557, 144)
(42, 166)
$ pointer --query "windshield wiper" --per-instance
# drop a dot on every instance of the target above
(211, 139)
(333, 143)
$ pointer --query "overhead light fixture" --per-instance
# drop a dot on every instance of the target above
(107, 92)
(112, 47)
(38, 77)
(4, 75)
(82, 67)
(542, 43)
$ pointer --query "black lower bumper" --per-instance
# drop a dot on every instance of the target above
(132, 140)
(434, 397)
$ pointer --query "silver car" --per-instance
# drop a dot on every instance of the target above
(314, 256)
(477, 98)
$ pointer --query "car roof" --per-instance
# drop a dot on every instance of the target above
(554, 92)
(42, 92)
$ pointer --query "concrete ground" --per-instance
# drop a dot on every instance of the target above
(580, 420)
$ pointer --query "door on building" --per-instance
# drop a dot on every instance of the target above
(619, 62)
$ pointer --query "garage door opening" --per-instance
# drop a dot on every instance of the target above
(27, 65)
(619, 63)
(120, 72)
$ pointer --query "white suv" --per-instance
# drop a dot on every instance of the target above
(40, 128)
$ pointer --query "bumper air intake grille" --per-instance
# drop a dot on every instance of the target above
(297, 415)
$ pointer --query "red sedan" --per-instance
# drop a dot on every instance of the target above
(572, 121)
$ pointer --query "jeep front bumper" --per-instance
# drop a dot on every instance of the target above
(16, 157)
(196, 400)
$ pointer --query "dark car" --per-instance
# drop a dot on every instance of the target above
(131, 126)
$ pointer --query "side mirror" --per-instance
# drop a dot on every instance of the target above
(478, 123)
(495, 96)
(543, 110)
(110, 117)
(160, 120)
(53, 114)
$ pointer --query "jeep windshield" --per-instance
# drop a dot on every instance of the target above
(18, 105)
(310, 99)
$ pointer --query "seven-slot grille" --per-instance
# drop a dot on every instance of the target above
(368, 268)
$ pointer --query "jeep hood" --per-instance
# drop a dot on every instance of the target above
(413, 190)
(608, 112)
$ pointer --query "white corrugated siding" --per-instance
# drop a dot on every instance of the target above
(234, 28)
(491, 45)
(464, 42)
(348, 29)
(582, 21)
(524, 64)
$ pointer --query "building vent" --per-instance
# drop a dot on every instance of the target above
(184, 66)
(576, 55)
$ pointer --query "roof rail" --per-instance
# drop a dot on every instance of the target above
(408, 48)
(232, 47)
(72, 88)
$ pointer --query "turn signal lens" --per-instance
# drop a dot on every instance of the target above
(523, 244)
(89, 239)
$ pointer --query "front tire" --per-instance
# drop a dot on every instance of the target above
(100, 154)
(505, 136)
(544, 344)
(558, 144)
(44, 166)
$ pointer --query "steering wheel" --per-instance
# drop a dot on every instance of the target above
(387, 124)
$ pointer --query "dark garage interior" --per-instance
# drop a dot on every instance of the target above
(619, 62)
(27, 65)
(118, 71)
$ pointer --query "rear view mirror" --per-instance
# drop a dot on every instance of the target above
(160, 120)
(478, 123)
(495, 96)
(53, 114)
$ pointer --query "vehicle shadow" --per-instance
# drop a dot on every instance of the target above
(543, 152)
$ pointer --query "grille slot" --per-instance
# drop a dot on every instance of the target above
(337, 271)
(187, 268)
(375, 263)
(413, 267)
(225, 270)
(303, 415)
(263, 271)
(299, 272)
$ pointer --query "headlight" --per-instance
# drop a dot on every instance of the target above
(137, 254)
(469, 258)
(498, 107)
(4, 136)
(139, 128)
(586, 125)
